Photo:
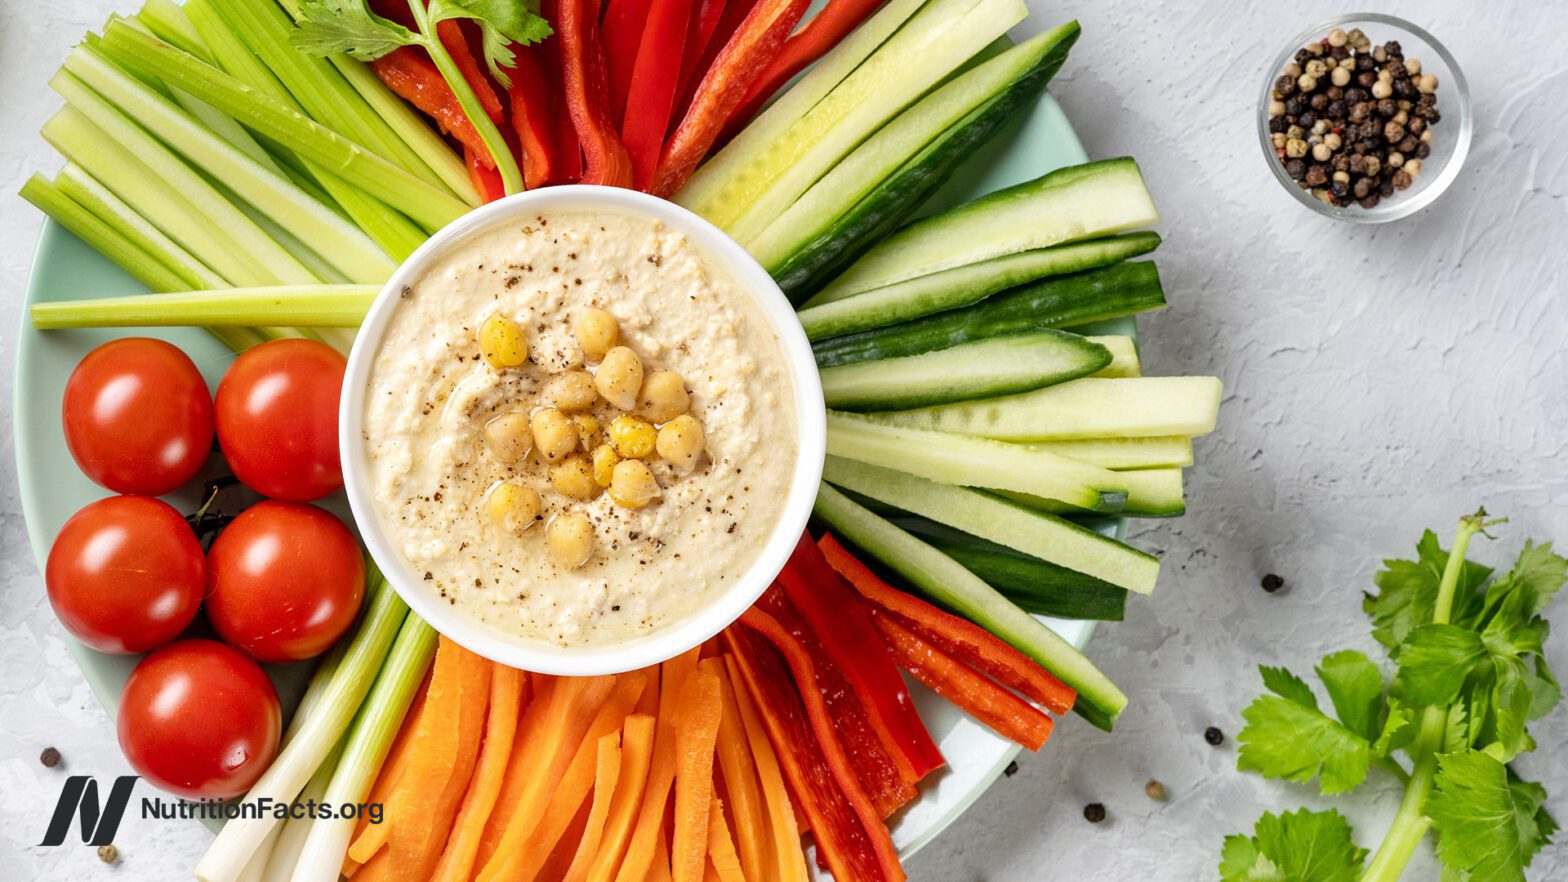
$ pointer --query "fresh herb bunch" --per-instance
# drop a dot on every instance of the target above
(1470, 677)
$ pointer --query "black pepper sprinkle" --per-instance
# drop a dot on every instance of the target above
(50, 757)
(1214, 736)
(1272, 583)
(1094, 812)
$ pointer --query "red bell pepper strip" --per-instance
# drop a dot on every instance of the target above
(704, 23)
(1010, 716)
(623, 24)
(811, 42)
(959, 637)
(452, 37)
(566, 149)
(876, 765)
(842, 622)
(481, 170)
(415, 79)
(605, 160)
(534, 114)
(654, 82)
(850, 837)
(735, 12)
(754, 45)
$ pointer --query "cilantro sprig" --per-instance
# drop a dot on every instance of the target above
(326, 27)
(1469, 677)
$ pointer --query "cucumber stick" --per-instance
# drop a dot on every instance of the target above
(998, 366)
(964, 285)
(958, 459)
(1091, 407)
(1106, 292)
(1068, 205)
(1002, 521)
(1029, 65)
(1124, 357)
(936, 41)
(947, 582)
(1126, 453)
(1151, 493)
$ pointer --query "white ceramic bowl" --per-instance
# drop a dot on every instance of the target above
(672, 638)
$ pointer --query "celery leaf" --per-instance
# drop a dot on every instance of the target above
(1298, 846)
(348, 26)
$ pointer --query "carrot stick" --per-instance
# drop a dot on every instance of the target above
(740, 778)
(640, 848)
(543, 760)
(721, 846)
(701, 708)
(375, 869)
(368, 837)
(959, 637)
(607, 773)
(979, 696)
(636, 756)
(561, 856)
(506, 691)
(529, 841)
(789, 861)
(660, 870)
(446, 745)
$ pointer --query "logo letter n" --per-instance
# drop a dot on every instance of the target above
(80, 797)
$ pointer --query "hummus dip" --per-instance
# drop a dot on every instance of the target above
(432, 393)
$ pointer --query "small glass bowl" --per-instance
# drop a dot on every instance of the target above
(1450, 137)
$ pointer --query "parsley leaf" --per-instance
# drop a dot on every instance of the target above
(1434, 661)
(501, 22)
(1288, 737)
(1355, 686)
(328, 26)
(1299, 846)
(1486, 825)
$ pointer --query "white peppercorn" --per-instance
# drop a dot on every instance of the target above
(1306, 82)
(1340, 76)
(1295, 148)
(1396, 159)
(1322, 153)
(1427, 83)
(1381, 90)
(1412, 167)
(1337, 37)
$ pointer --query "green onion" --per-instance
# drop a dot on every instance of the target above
(425, 204)
(328, 718)
(345, 247)
(307, 306)
(321, 859)
(289, 839)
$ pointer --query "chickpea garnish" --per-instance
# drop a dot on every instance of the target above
(571, 391)
(680, 441)
(587, 430)
(512, 507)
(663, 397)
(555, 435)
(596, 332)
(632, 437)
(573, 477)
(632, 484)
(604, 460)
(570, 537)
(508, 436)
(619, 377)
(501, 342)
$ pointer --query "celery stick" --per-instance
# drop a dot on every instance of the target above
(321, 859)
(396, 234)
(101, 235)
(343, 245)
(310, 306)
(165, 20)
(317, 85)
(340, 699)
(76, 183)
(413, 128)
(425, 204)
(267, 261)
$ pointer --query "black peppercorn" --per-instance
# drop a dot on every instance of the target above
(1318, 101)
(1393, 49)
(1362, 187)
(1416, 125)
(1393, 132)
(1296, 168)
(1359, 112)
(1334, 93)
(1366, 78)
(1386, 108)
(1423, 150)
(1272, 583)
(1364, 61)
(1094, 813)
(1011, 770)
(1401, 180)
(1408, 144)
(1340, 163)
(1358, 164)
(1336, 109)
(1277, 124)
(1385, 189)
(1285, 86)
(1427, 99)
(1303, 56)
(1214, 736)
(1355, 94)
(1306, 120)
(1369, 201)
(50, 757)
(1317, 175)
(1295, 106)
(1340, 190)
(1404, 88)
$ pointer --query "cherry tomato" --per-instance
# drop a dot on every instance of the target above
(125, 574)
(284, 581)
(277, 415)
(199, 720)
(138, 418)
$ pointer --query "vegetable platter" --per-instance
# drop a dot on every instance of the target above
(938, 229)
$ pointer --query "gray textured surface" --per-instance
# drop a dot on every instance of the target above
(1378, 381)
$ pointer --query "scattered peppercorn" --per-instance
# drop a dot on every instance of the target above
(1273, 582)
(1012, 769)
(1154, 790)
(1353, 117)
(1214, 736)
(1094, 812)
(50, 757)
(108, 854)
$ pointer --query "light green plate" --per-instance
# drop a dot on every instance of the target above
(53, 489)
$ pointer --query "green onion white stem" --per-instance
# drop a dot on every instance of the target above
(289, 838)
(329, 717)
(321, 857)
